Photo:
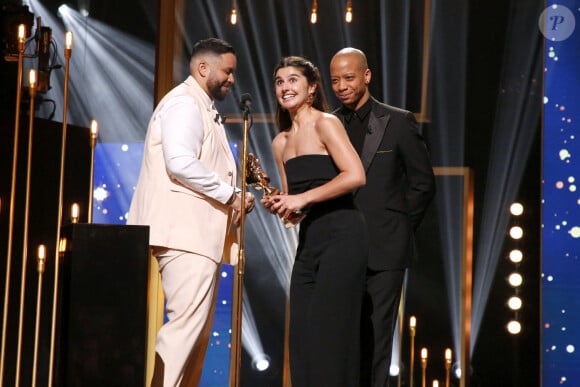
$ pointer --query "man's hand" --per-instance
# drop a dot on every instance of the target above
(237, 206)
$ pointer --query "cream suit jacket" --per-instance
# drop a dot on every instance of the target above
(179, 217)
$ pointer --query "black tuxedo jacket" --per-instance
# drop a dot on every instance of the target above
(400, 184)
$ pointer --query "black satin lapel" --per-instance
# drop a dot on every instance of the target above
(377, 127)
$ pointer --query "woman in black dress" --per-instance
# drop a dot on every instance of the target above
(319, 169)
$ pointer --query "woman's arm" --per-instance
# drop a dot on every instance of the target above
(351, 172)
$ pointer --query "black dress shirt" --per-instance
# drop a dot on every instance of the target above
(357, 123)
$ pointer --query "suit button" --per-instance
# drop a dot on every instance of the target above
(230, 173)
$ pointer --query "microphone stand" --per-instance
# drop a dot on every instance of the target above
(236, 345)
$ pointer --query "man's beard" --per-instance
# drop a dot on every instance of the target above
(215, 90)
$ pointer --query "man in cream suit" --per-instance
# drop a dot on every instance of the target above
(186, 193)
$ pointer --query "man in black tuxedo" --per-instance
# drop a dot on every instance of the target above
(400, 185)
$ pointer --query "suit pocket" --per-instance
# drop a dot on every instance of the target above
(181, 189)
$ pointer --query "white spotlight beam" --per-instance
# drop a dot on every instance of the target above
(111, 77)
(514, 132)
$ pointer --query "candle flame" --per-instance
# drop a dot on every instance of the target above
(424, 353)
(412, 322)
(448, 354)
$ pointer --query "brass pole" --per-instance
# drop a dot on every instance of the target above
(94, 135)
(40, 260)
(424, 367)
(21, 36)
(447, 366)
(67, 54)
(466, 278)
(32, 93)
(239, 288)
(412, 327)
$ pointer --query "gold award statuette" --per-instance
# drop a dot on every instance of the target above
(259, 179)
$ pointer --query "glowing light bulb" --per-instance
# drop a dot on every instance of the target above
(68, 40)
(234, 17)
(348, 15)
(21, 32)
(32, 78)
(516, 256)
(314, 14)
(94, 128)
(514, 327)
(516, 209)
(515, 303)
(74, 213)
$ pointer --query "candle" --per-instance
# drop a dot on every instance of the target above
(448, 355)
(21, 33)
(94, 128)
(424, 353)
(41, 258)
(75, 213)
(412, 322)
(62, 245)
(32, 78)
(68, 40)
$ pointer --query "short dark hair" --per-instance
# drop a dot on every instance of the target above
(312, 74)
(212, 46)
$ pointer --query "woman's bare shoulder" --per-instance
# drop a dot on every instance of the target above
(279, 141)
(328, 121)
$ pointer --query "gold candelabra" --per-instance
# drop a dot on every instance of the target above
(32, 93)
(21, 38)
(424, 367)
(41, 264)
(447, 366)
(67, 55)
(94, 136)
(412, 331)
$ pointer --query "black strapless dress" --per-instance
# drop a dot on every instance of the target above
(327, 283)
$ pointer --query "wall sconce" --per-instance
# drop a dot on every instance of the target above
(348, 15)
(234, 14)
(314, 13)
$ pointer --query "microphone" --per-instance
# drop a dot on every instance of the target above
(246, 102)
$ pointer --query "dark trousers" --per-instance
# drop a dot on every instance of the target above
(379, 316)
(325, 307)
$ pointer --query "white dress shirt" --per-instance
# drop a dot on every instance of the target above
(182, 134)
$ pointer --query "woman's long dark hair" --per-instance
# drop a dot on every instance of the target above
(312, 75)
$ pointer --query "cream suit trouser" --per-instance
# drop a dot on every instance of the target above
(189, 283)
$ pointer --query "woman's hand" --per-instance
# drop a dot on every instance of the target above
(284, 204)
